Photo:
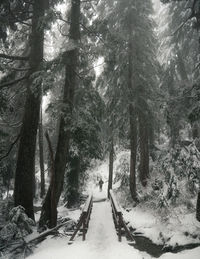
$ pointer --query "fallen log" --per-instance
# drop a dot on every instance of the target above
(40, 236)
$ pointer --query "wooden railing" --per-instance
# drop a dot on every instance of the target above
(118, 219)
(83, 222)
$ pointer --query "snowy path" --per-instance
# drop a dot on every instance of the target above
(101, 239)
(101, 229)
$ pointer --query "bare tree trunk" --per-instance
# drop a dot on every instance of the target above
(111, 161)
(25, 169)
(71, 62)
(41, 152)
(144, 149)
(198, 207)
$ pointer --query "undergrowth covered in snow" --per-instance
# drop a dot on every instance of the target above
(166, 211)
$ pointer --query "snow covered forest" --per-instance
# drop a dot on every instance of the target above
(99, 129)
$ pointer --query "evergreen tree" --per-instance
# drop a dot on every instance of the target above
(131, 73)
(70, 61)
(29, 19)
(179, 65)
(25, 169)
(185, 42)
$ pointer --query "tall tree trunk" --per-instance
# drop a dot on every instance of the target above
(25, 169)
(172, 120)
(133, 146)
(70, 61)
(144, 149)
(73, 181)
(111, 161)
(53, 206)
(198, 207)
(41, 153)
(132, 118)
(152, 129)
(196, 137)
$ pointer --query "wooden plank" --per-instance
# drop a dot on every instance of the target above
(84, 219)
(88, 203)
(114, 214)
(127, 231)
(77, 228)
(120, 227)
(118, 218)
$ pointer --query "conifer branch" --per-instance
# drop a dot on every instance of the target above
(11, 57)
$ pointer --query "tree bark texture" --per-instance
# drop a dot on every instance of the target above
(25, 169)
(73, 181)
(172, 119)
(198, 207)
(41, 153)
(144, 149)
(111, 161)
(132, 118)
(133, 147)
(70, 59)
(53, 206)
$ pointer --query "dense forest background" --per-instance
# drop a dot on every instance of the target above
(80, 81)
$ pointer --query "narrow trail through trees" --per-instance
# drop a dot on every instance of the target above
(101, 230)
(101, 239)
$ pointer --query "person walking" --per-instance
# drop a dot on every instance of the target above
(101, 182)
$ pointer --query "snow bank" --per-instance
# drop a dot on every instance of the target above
(59, 249)
(176, 231)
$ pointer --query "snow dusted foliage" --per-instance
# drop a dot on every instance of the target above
(180, 167)
(19, 225)
(174, 180)
(173, 183)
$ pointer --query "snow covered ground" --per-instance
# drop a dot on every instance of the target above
(101, 240)
(176, 231)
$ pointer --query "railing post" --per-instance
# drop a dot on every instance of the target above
(83, 220)
(84, 226)
(120, 226)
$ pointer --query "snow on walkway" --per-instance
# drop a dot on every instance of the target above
(101, 240)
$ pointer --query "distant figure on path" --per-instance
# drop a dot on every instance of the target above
(101, 182)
